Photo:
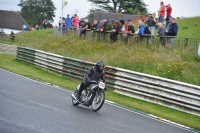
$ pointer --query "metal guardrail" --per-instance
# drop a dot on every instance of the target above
(8, 49)
(173, 94)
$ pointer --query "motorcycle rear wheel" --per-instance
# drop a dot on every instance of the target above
(74, 102)
(98, 101)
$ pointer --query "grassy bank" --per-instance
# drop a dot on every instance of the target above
(155, 60)
(9, 62)
(181, 64)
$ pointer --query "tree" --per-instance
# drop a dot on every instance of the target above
(121, 6)
(35, 11)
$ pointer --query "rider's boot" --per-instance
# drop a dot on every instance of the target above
(77, 96)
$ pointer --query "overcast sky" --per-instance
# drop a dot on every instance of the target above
(181, 8)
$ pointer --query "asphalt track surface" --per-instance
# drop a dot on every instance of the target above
(28, 106)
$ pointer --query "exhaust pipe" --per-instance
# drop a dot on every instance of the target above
(74, 97)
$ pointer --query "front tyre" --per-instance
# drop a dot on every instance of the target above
(98, 101)
(74, 102)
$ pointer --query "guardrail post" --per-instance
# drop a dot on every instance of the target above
(186, 42)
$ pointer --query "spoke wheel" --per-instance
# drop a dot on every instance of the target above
(98, 101)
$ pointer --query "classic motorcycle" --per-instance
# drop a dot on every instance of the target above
(93, 95)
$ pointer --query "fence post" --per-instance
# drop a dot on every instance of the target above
(186, 42)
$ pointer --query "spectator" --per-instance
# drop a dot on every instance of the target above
(36, 27)
(102, 26)
(107, 26)
(12, 36)
(60, 22)
(64, 26)
(151, 22)
(161, 12)
(124, 30)
(31, 28)
(173, 30)
(131, 28)
(47, 24)
(68, 21)
(161, 33)
(115, 30)
(44, 24)
(75, 21)
(83, 27)
(141, 28)
(25, 27)
(96, 25)
(88, 23)
(122, 22)
(169, 11)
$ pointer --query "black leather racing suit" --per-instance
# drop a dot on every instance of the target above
(91, 75)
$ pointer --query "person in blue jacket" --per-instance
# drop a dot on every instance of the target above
(172, 32)
(141, 27)
(68, 21)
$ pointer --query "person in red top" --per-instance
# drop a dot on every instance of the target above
(169, 11)
(75, 21)
(162, 12)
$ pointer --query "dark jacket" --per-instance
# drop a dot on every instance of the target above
(107, 27)
(173, 29)
(131, 28)
(151, 22)
(93, 74)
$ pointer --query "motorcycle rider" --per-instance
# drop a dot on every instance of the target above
(95, 73)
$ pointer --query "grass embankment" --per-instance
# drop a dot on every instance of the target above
(9, 62)
(181, 65)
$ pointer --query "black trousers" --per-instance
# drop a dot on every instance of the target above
(84, 84)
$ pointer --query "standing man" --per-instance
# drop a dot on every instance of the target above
(68, 21)
(173, 30)
(161, 11)
(151, 22)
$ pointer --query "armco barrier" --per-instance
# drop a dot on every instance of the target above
(169, 93)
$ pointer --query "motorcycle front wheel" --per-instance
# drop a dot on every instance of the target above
(98, 101)
(74, 102)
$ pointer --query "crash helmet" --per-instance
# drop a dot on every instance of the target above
(100, 66)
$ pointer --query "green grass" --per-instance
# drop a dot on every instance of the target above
(189, 27)
(180, 65)
(9, 62)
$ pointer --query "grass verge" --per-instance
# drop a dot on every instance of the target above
(9, 62)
